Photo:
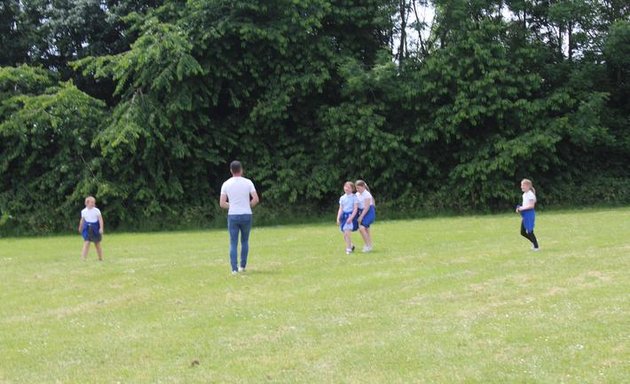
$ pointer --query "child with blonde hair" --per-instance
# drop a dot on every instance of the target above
(91, 227)
(528, 214)
(347, 214)
(366, 213)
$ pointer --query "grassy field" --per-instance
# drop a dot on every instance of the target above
(444, 300)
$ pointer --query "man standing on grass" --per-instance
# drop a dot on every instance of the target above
(235, 197)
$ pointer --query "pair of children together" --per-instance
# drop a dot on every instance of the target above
(352, 215)
(356, 212)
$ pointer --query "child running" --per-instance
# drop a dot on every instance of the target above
(528, 213)
(366, 213)
(91, 227)
(347, 214)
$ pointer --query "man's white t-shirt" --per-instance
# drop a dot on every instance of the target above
(238, 190)
(90, 215)
(527, 197)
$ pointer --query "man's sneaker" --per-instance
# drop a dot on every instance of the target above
(234, 272)
(367, 249)
(535, 249)
(241, 269)
(348, 251)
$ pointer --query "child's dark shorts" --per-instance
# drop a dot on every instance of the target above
(91, 232)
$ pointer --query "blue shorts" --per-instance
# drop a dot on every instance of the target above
(91, 232)
(343, 226)
(529, 219)
(369, 217)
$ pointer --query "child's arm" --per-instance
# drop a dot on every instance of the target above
(81, 225)
(354, 213)
(101, 224)
(367, 203)
(339, 213)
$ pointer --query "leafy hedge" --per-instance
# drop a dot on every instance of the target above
(307, 95)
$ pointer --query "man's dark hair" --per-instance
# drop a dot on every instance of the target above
(236, 166)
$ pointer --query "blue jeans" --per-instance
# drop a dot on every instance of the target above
(236, 224)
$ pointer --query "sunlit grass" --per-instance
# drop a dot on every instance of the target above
(439, 300)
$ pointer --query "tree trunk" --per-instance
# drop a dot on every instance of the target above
(403, 32)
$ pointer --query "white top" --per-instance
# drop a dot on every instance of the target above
(362, 196)
(528, 197)
(90, 215)
(347, 202)
(238, 190)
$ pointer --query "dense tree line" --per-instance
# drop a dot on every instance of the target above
(144, 103)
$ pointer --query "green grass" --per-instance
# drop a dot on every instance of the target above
(442, 300)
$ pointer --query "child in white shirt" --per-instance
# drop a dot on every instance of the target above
(91, 227)
(347, 214)
(528, 213)
(366, 213)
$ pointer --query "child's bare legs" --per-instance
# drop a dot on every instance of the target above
(99, 250)
(347, 237)
(367, 238)
(86, 248)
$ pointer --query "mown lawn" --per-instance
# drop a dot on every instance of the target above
(442, 300)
